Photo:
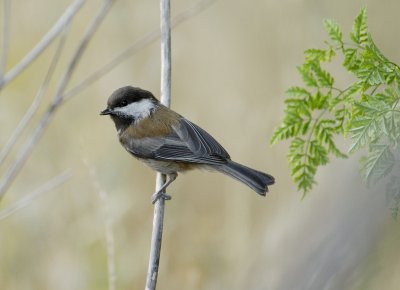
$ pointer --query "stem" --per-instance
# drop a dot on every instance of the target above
(5, 36)
(136, 47)
(57, 28)
(26, 119)
(156, 238)
(28, 199)
(38, 131)
(158, 219)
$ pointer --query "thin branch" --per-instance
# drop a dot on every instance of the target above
(59, 26)
(5, 36)
(38, 131)
(136, 47)
(35, 103)
(156, 237)
(27, 199)
(158, 219)
(165, 53)
(92, 28)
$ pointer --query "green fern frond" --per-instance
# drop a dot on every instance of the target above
(308, 76)
(334, 31)
(393, 195)
(368, 109)
(363, 131)
(314, 54)
(352, 59)
(298, 92)
(377, 164)
(325, 80)
(359, 33)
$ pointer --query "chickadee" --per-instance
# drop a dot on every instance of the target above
(169, 143)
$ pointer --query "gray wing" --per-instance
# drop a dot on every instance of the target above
(190, 143)
(186, 143)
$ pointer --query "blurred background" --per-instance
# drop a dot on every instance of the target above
(231, 64)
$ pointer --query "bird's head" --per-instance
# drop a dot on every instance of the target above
(130, 104)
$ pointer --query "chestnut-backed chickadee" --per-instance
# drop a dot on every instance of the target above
(169, 143)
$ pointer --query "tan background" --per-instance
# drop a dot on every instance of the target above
(231, 66)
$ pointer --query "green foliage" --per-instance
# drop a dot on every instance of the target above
(393, 195)
(334, 31)
(360, 29)
(367, 110)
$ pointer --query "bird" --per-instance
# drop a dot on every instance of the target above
(169, 143)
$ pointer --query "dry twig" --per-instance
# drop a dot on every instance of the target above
(5, 35)
(57, 28)
(35, 103)
(27, 199)
(137, 46)
(38, 131)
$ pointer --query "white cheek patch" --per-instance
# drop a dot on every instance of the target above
(137, 110)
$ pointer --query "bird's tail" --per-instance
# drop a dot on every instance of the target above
(256, 180)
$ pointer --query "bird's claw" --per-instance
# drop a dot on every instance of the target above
(158, 195)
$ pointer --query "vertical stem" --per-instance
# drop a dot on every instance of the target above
(165, 53)
(156, 238)
(5, 36)
(159, 206)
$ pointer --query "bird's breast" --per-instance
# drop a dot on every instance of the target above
(144, 137)
(158, 124)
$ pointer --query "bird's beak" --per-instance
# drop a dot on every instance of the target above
(106, 112)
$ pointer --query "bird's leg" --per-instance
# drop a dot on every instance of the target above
(160, 193)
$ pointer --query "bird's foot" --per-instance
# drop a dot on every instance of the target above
(158, 195)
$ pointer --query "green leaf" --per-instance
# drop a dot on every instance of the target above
(319, 101)
(324, 78)
(393, 195)
(390, 95)
(351, 59)
(371, 75)
(305, 127)
(284, 132)
(300, 107)
(377, 164)
(307, 75)
(302, 168)
(298, 92)
(372, 106)
(314, 54)
(391, 126)
(317, 153)
(323, 133)
(363, 130)
(319, 110)
(334, 31)
(372, 51)
(334, 150)
(350, 93)
(359, 33)
(296, 147)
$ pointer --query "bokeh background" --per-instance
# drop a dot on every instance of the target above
(231, 66)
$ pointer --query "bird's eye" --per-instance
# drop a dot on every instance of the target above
(124, 103)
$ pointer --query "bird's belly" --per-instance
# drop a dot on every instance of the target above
(167, 167)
